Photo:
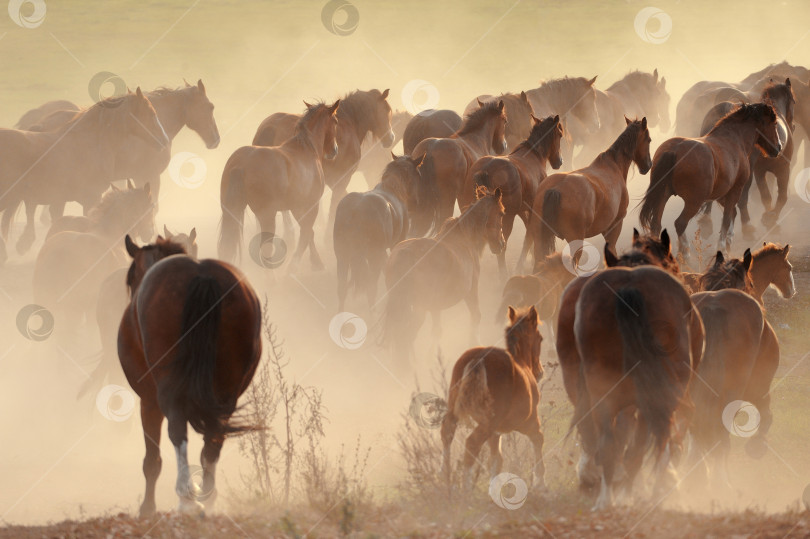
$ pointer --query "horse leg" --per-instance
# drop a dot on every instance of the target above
(605, 456)
(535, 434)
(376, 262)
(524, 250)
(727, 227)
(208, 459)
(342, 282)
(473, 445)
(448, 431)
(338, 193)
(759, 174)
(152, 421)
(289, 227)
(496, 455)
(184, 487)
(690, 209)
(705, 220)
(475, 312)
(508, 223)
(782, 172)
(28, 235)
(634, 456)
(666, 477)
(612, 234)
(758, 391)
(747, 228)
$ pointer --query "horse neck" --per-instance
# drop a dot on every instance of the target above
(742, 133)
(480, 140)
(466, 233)
(351, 114)
(522, 356)
(391, 185)
(617, 158)
(761, 275)
(171, 110)
(537, 157)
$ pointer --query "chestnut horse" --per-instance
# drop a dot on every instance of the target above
(518, 174)
(368, 224)
(639, 339)
(75, 162)
(589, 201)
(714, 167)
(482, 133)
(433, 274)
(189, 343)
(518, 110)
(497, 388)
(430, 123)
(361, 113)
(374, 157)
(273, 179)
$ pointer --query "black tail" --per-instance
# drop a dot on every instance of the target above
(350, 238)
(658, 192)
(233, 202)
(482, 178)
(657, 397)
(191, 377)
(551, 211)
(424, 217)
(711, 371)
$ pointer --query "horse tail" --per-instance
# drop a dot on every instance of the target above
(472, 393)
(482, 178)
(711, 371)
(645, 360)
(233, 200)
(428, 192)
(551, 212)
(351, 230)
(191, 375)
(658, 192)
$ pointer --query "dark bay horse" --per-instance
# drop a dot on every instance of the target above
(273, 179)
(518, 174)
(518, 110)
(482, 133)
(433, 274)
(714, 167)
(497, 388)
(374, 157)
(368, 224)
(589, 201)
(74, 162)
(430, 123)
(361, 113)
(189, 343)
(639, 338)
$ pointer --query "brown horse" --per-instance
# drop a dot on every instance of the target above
(74, 162)
(639, 339)
(518, 110)
(433, 274)
(589, 201)
(374, 157)
(518, 174)
(714, 167)
(368, 224)
(189, 343)
(430, 123)
(497, 388)
(482, 133)
(361, 113)
(273, 179)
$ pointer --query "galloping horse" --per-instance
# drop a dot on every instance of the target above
(189, 343)
(74, 162)
(286, 177)
(361, 113)
(432, 274)
(714, 167)
(430, 123)
(368, 224)
(589, 201)
(497, 388)
(482, 133)
(518, 174)
(518, 110)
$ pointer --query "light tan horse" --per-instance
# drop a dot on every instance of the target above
(273, 179)
(74, 162)
(592, 200)
(518, 110)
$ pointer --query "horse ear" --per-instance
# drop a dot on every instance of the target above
(200, 85)
(627, 121)
(130, 184)
(718, 259)
(186, 82)
(114, 188)
(394, 156)
(787, 82)
(535, 119)
(166, 232)
(192, 235)
(786, 250)
(663, 82)
(636, 235)
(747, 259)
(523, 96)
(138, 92)
(385, 93)
(132, 249)
(334, 107)
(307, 105)
(557, 119)
(590, 82)
(480, 103)
(500, 105)
(498, 194)
(655, 74)
(665, 240)
(610, 258)
(644, 123)
(418, 162)
(533, 318)
(147, 188)
(512, 314)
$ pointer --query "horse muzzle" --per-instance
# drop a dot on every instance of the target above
(557, 163)
(646, 168)
(388, 140)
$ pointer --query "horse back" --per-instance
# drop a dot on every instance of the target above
(275, 129)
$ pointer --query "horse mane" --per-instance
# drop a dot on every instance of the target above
(302, 134)
(564, 84)
(471, 220)
(661, 254)
(539, 140)
(774, 90)
(553, 260)
(103, 113)
(726, 275)
(162, 91)
(395, 176)
(767, 250)
(744, 112)
(636, 76)
(477, 118)
(111, 201)
(164, 248)
(634, 258)
(626, 142)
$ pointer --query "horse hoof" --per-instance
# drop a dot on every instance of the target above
(147, 511)
(769, 219)
(191, 507)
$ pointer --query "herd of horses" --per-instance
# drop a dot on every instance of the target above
(651, 355)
